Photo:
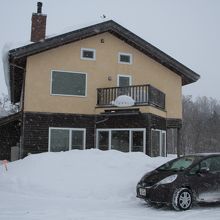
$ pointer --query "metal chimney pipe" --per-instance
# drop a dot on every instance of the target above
(39, 7)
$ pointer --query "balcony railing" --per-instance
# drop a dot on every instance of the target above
(142, 95)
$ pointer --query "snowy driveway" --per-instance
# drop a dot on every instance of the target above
(16, 206)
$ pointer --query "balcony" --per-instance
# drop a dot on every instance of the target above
(141, 94)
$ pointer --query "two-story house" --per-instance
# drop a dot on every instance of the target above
(100, 86)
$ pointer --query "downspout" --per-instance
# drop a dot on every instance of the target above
(22, 108)
(95, 127)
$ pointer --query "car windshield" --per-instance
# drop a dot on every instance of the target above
(178, 164)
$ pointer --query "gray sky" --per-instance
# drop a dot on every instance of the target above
(188, 30)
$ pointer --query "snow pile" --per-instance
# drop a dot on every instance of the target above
(81, 174)
(85, 185)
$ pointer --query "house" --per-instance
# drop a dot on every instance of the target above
(76, 90)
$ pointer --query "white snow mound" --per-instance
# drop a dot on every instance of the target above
(80, 174)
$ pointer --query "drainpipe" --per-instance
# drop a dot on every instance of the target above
(95, 127)
(178, 142)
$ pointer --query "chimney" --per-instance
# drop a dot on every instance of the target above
(38, 26)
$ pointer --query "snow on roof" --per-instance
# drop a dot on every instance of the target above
(123, 101)
(5, 50)
(77, 27)
(3, 113)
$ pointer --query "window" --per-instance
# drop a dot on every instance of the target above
(178, 164)
(124, 80)
(59, 140)
(194, 170)
(122, 139)
(212, 163)
(68, 83)
(158, 142)
(88, 54)
(125, 58)
(64, 139)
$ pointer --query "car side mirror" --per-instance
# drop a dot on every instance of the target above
(203, 170)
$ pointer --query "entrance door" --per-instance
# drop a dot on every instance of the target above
(158, 142)
(123, 82)
(137, 138)
(103, 140)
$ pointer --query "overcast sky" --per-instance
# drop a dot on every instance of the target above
(188, 30)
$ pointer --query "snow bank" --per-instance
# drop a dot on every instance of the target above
(80, 174)
(85, 185)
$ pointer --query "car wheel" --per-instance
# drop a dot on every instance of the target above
(182, 199)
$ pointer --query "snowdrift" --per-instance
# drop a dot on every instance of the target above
(85, 185)
(80, 174)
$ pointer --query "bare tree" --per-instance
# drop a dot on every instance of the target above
(201, 124)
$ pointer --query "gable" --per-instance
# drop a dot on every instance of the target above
(18, 56)
(66, 58)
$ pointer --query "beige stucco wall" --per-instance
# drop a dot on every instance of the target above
(144, 70)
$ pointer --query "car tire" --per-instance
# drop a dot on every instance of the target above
(182, 199)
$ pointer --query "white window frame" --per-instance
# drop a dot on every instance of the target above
(87, 58)
(124, 75)
(56, 94)
(125, 54)
(122, 129)
(161, 133)
(70, 136)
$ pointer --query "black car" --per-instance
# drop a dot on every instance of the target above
(183, 181)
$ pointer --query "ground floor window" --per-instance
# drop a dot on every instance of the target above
(125, 140)
(158, 142)
(64, 139)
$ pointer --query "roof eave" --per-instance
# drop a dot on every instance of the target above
(188, 76)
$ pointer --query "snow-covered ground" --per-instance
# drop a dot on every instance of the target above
(83, 185)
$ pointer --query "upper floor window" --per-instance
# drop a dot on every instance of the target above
(88, 54)
(125, 58)
(68, 83)
(123, 80)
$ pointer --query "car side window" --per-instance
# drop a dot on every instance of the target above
(212, 163)
(215, 164)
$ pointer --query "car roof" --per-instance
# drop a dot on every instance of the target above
(204, 154)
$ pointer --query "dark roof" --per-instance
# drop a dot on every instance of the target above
(18, 56)
(10, 118)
